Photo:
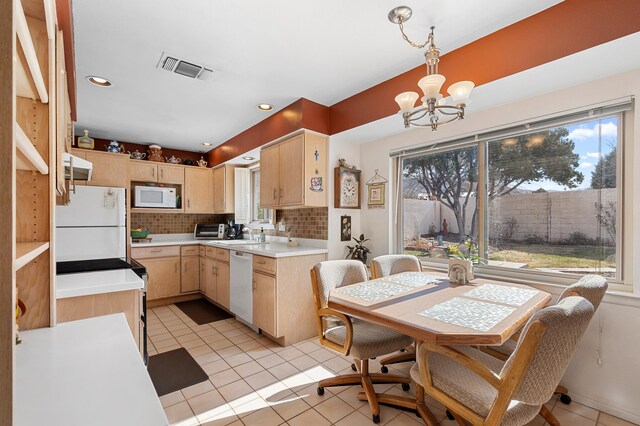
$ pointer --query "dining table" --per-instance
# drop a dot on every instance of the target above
(427, 307)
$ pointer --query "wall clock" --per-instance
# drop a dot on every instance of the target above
(346, 188)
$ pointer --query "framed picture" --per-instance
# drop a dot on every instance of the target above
(345, 228)
(347, 188)
(376, 195)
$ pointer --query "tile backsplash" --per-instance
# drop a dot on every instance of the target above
(174, 223)
(310, 223)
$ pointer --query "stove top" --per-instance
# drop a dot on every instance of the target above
(92, 265)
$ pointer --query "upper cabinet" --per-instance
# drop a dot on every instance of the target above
(109, 169)
(223, 189)
(198, 190)
(147, 171)
(293, 172)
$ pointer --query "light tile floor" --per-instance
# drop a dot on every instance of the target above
(254, 381)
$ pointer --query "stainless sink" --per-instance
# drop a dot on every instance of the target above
(238, 242)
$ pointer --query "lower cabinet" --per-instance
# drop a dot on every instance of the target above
(217, 276)
(223, 284)
(203, 274)
(283, 305)
(190, 279)
(164, 277)
(264, 302)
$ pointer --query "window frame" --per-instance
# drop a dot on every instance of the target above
(267, 222)
(624, 252)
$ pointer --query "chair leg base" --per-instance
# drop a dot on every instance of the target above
(548, 416)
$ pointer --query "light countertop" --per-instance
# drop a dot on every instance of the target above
(86, 372)
(98, 282)
(275, 247)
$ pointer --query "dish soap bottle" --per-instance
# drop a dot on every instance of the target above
(262, 237)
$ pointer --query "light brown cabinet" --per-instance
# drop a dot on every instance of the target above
(223, 190)
(264, 302)
(223, 284)
(218, 276)
(143, 171)
(164, 276)
(203, 271)
(293, 172)
(283, 306)
(109, 169)
(190, 278)
(148, 171)
(198, 190)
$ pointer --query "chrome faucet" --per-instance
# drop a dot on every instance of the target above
(250, 231)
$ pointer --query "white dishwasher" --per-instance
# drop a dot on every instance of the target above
(241, 292)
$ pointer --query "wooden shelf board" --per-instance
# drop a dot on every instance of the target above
(27, 157)
(29, 54)
(26, 252)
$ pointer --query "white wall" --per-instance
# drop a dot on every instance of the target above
(351, 153)
(614, 336)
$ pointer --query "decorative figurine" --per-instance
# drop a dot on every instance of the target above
(85, 141)
(173, 160)
(155, 153)
(201, 162)
(137, 155)
(115, 147)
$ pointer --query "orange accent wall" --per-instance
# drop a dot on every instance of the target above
(564, 29)
(303, 113)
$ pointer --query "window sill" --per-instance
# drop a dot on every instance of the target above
(544, 283)
(258, 225)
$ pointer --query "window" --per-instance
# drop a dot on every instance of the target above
(546, 201)
(258, 214)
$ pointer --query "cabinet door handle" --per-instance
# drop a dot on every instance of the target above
(153, 172)
(280, 193)
(162, 173)
(156, 251)
(261, 262)
(254, 285)
(175, 268)
(275, 193)
(189, 203)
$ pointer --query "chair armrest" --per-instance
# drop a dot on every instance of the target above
(346, 346)
(455, 355)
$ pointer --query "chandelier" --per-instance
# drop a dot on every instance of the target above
(434, 111)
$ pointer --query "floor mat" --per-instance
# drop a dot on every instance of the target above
(201, 311)
(174, 370)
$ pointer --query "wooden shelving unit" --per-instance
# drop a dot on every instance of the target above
(28, 53)
(26, 252)
(28, 158)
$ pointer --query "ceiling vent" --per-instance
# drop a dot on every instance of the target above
(182, 67)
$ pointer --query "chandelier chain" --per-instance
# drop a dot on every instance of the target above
(406, 38)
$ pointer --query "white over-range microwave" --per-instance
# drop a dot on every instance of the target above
(155, 197)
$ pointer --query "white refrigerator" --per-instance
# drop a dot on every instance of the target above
(93, 225)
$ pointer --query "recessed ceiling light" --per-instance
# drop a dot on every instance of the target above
(98, 81)
(206, 144)
(265, 107)
(249, 158)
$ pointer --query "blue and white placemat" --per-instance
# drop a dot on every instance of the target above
(513, 296)
(413, 279)
(463, 312)
(373, 292)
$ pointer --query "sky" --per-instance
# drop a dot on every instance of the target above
(592, 140)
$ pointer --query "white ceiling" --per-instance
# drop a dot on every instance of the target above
(260, 51)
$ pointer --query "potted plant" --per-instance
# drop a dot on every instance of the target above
(358, 251)
(461, 260)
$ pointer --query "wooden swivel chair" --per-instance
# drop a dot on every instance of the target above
(591, 287)
(347, 336)
(383, 266)
(484, 390)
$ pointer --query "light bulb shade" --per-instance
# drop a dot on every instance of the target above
(461, 91)
(431, 85)
(406, 100)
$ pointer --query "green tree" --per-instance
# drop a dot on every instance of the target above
(604, 174)
(452, 175)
